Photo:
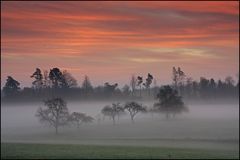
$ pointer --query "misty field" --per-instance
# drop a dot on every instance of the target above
(207, 131)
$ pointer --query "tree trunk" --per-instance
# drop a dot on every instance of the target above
(132, 118)
(56, 124)
(113, 120)
(56, 129)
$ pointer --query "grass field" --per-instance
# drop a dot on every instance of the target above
(70, 151)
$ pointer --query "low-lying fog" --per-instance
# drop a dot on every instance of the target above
(204, 126)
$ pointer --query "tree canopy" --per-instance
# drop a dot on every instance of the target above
(79, 118)
(169, 101)
(56, 114)
(11, 87)
(112, 111)
(133, 108)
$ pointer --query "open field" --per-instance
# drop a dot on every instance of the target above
(207, 131)
(48, 151)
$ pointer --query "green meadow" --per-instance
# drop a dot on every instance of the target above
(70, 151)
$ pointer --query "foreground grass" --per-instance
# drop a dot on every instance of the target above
(67, 151)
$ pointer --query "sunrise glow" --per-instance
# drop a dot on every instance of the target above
(110, 41)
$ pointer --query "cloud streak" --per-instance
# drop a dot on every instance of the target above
(144, 36)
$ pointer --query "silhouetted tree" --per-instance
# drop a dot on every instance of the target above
(57, 78)
(69, 79)
(175, 77)
(133, 108)
(189, 87)
(148, 82)
(229, 87)
(139, 83)
(87, 86)
(133, 84)
(62, 83)
(99, 92)
(11, 87)
(229, 81)
(80, 118)
(87, 119)
(169, 102)
(46, 80)
(119, 109)
(112, 111)
(181, 76)
(204, 87)
(195, 88)
(108, 111)
(109, 89)
(76, 117)
(220, 88)
(38, 82)
(56, 114)
(212, 88)
(178, 78)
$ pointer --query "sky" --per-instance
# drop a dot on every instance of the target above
(110, 41)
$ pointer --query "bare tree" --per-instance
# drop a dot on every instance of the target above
(119, 109)
(178, 79)
(56, 114)
(113, 111)
(80, 118)
(133, 108)
(108, 111)
(87, 119)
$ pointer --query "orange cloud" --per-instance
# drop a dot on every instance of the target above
(119, 37)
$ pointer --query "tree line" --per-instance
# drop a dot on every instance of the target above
(62, 83)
